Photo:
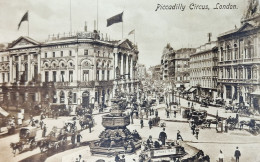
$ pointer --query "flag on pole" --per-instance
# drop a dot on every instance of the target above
(115, 19)
(24, 18)
(131, 32)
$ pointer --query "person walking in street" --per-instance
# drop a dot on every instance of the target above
(131, 115)
(44, 130)
(197, 132)
(221, 157)
(237, 154)
(156, 113)
(41, 124)
(150, 123)
(146, 113)
(163, 136)
(175, 112)
(193, 129)
(78, 139)
(89, 127)
(73, 136)
(189, 104)
(32, 121)
(168, 113)
(179, 137)
(142, 123)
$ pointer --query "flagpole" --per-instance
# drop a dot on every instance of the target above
(70, 19)
(97, 15)
(28, 24)
(122, 29)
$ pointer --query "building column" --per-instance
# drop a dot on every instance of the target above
(76, 76)
(19, 67)
(115, 64)
(243, 77)
(29, 77)
(122, 64)
(131, 69)
(11, 69)
(127, 62)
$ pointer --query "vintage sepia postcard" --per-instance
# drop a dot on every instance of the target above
(129, 80)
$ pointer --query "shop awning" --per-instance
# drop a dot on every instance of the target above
(3, 112)
(256, 93)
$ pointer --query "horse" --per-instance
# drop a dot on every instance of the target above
(16, 146)
(43, 144)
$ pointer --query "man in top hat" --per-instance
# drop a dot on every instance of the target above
(163, 136)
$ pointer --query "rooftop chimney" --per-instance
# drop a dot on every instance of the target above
(209, 35)
(86, 27)
(94, 24)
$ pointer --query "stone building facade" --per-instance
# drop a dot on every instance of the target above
(182, 68)
(204, 70)
(167, 63)
(239, 60)
(68, 69)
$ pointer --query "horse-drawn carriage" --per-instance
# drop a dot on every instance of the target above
(86, 121)
(254, 126)
(232, 122)
(27, 138)
(219, 101)
(197, 117)
(204, 102)
(60, 110)
(55, 140)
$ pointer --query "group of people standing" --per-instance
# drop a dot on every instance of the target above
(161, 140)
(237, 155)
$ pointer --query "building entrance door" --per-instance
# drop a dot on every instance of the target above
(85, 99)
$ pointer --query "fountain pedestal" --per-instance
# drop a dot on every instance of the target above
(116, 138)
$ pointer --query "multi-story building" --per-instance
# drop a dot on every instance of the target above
(168, 72)
(182, 67)
(141, 72)
(155, 72)
(167, 63)
(204, 70)
(67, 69)
(239, 60)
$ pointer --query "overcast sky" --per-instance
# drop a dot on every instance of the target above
(154, 29)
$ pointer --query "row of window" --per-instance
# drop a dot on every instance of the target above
(86, 52)
(85, 76)
(235, 54)
(247, 73)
